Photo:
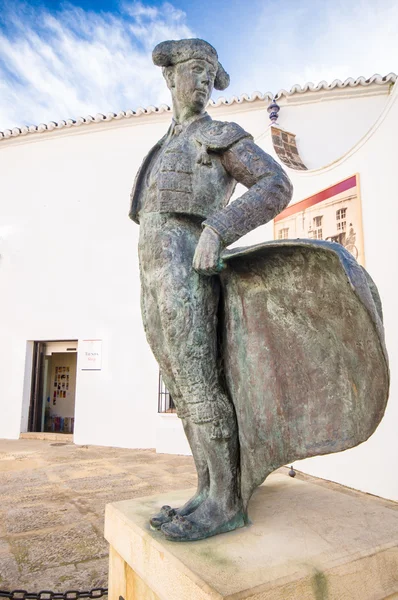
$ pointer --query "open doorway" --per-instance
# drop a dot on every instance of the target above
(53, 390)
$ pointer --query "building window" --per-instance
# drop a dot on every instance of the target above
(317, 231)
(165, 401)
(340, 219)
(283, 234)
(317, 221)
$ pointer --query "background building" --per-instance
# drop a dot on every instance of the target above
(74, 353)
(333, 214)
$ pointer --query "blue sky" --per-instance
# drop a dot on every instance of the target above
(62, 60)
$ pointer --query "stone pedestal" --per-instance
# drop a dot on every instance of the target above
(310, 539)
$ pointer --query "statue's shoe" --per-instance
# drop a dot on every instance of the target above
(184, 529)
(165, 515)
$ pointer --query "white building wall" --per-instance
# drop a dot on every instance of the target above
(328, 124)
(70, 271)
(69, 265)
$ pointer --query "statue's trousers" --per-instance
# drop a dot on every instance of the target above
(179, 309)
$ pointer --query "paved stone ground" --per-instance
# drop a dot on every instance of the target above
(52, 502)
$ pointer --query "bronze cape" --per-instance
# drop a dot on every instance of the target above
(303, 352)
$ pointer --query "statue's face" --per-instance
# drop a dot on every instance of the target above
(192, 82)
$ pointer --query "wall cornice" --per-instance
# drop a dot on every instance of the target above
(375, 85)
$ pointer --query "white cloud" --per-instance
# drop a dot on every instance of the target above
(73, 63)
(70, 63)
(296, 42)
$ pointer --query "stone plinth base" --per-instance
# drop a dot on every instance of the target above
(309, 540)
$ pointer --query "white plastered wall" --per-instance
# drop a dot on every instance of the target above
(64, 205)
(69, 265)
(329, 123)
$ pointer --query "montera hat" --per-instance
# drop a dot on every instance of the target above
(172, 52)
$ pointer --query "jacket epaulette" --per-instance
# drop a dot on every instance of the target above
(218, 136)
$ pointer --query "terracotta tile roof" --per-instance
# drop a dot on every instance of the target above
(337, 83)
(268, 96)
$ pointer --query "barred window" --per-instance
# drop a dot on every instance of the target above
(165, 401)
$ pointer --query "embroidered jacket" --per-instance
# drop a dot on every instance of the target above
(193, 170)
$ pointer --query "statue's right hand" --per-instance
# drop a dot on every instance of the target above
(206, 260)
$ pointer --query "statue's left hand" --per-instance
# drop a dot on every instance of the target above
(207, 259)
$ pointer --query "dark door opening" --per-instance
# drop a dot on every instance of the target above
(52, 402)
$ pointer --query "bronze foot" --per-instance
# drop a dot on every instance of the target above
(165, 515)
(189, 529)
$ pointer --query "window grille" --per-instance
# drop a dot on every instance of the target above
(165, 401)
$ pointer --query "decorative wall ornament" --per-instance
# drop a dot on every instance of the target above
(273, 110)
(285, 147)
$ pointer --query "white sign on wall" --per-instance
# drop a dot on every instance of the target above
(90, 352)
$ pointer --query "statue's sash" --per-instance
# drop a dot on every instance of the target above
(303, 351)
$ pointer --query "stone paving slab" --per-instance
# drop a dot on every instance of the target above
(74, 544)
(52, 504)
(80, 576)
(30, 518)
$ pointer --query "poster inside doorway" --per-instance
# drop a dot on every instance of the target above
(333, 214)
